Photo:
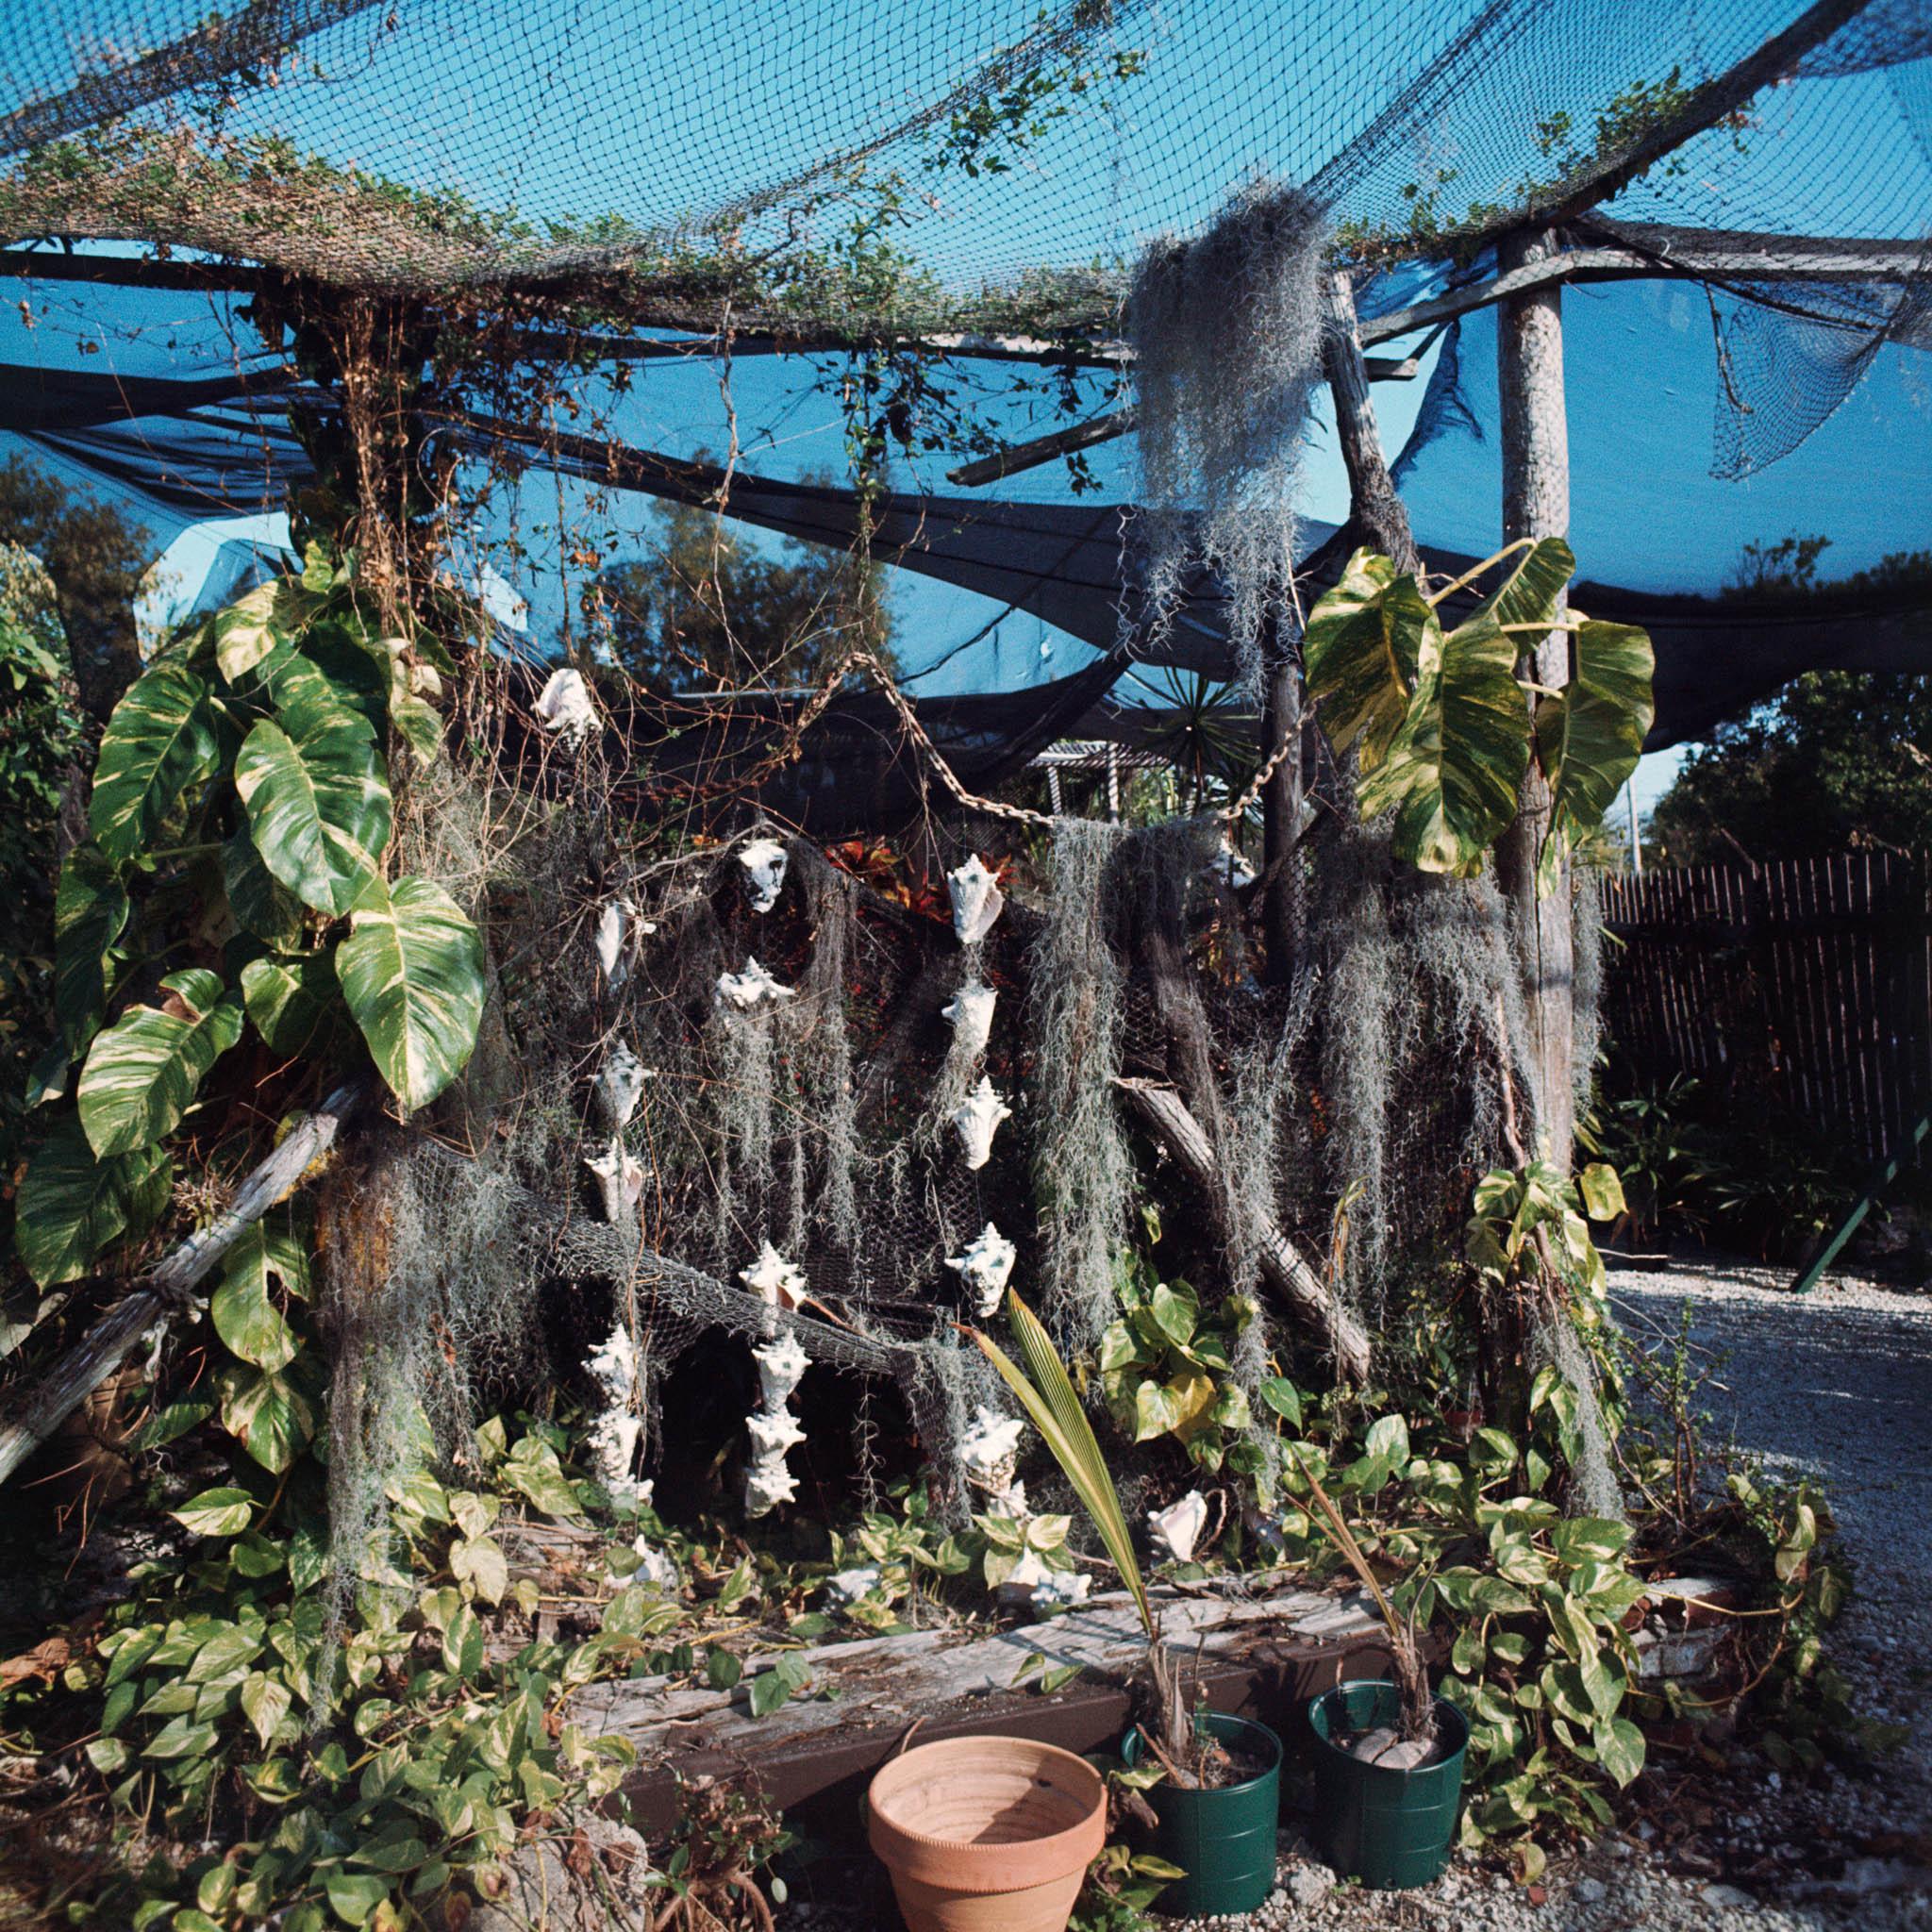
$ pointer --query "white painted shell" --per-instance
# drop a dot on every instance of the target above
(984, 1267)
(977, 901)
(658, 1567)
(781, 1368)
(764, 861)
(774, 1278)
(845, 1587)
(1177, 1528)
(618, 930)
(1061, 1588)
(975, 1119)
(971, 1013)
(989, 1444)
(752, 989)
(565, 707)
(621, 1085)
(1009, 1502)
(767, 1484)
(620, 1180)
(773, 1432)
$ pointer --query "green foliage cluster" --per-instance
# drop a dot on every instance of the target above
(1443, 723)
(1167, 1370)
(240, 813)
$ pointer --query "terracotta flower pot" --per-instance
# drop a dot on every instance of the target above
(987, 1834)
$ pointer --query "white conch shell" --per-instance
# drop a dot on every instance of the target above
(618, 927)
(659, 1567)
(1009, 1502)
(977, 900)
(1061, 1588)
(764, 861)
(984, 1267)
(989, 1444)
(781, 1368)
(1177, 1528)
(974, 1120)
(773, 1432)
(767, 1484)
(750, 988)
(620, 1180)
(971, 1013)
(565, 707)
(621, 1085)
(774, 1278)
(845, 1587)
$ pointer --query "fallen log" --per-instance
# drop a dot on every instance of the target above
(1166, 1116)
(101, 1350)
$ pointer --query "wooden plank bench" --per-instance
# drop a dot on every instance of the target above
(1259, 1654)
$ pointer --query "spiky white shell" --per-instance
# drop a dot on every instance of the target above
(764, 861)
(989, 1444)
(773, 1432)
(977, 900)
(621, 1085)
(774, 1279)
(1177, 1528)
(752, 989)
(658, 1567)
(615, 929)
(975, 1119)
(767, 1484)
(844, 1586)
(1061, 1588)
(564, 706)
(781, 1367)
(620, 1180)
(971, 1013)
(984, 1267)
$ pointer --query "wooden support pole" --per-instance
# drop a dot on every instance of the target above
(1536, 503)
(1307, 1297)
(1373, 507)
(102, 1349)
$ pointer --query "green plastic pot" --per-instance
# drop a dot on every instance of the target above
(1222, 1839)
(1391, 1829)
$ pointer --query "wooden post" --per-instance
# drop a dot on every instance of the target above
(1536, 503)
(1372, 504)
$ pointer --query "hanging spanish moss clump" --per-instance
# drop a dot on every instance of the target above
(1594, 1488)
(820, 1051)
(1083, 1169)
(1263, 1070)
(1361, 990)
(746, 1064)
(1227, 337)
(422, 1298)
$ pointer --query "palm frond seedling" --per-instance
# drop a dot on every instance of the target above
(1046, 1392)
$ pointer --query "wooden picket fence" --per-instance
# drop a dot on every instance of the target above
(1814, 970)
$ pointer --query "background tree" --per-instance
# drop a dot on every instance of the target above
(708, 609)
(93, 557)
(1837, 759)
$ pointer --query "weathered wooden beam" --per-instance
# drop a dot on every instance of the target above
(102, 1349)
(1536, 503)
(1266, 1654)
(1372, 504)
(1166, 1116)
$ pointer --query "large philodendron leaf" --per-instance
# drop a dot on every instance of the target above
(1453, 773)
(142, 1072)
(72, 1203)
(159, 743)
(259, 901)
(295, 1003)
(412, 971)
(1532, 589)
(89, 913)
(1590, 738)
(255, 625)
(1363, 654)
(318, 803)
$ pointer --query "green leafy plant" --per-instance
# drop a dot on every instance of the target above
(1443, 726)
(1166, 1371)
(246, 766)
